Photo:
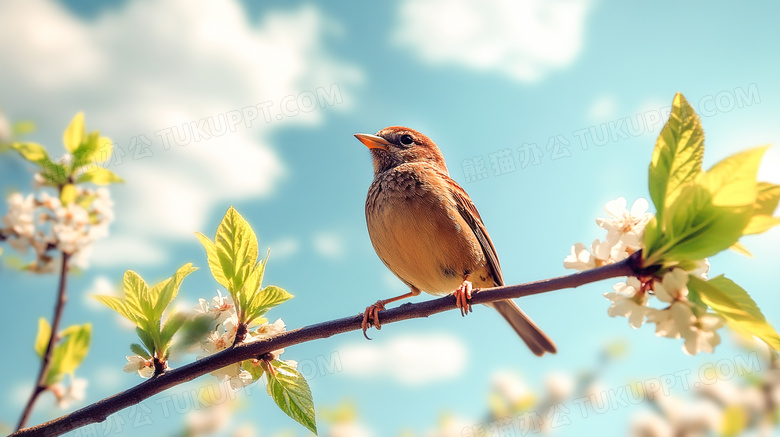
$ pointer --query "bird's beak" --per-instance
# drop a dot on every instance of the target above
(373, 141)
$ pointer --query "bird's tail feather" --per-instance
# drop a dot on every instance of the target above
(536, 340)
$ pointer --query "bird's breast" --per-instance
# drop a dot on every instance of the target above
(417, 231)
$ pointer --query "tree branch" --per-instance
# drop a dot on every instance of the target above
(98, 411)
(40, 384)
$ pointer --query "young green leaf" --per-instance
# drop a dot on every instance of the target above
(732, 181)
(69, 352)
(74, 133)
(236, 248)
(140, 351)
(68, 194)
(266, 299)
(734, 304)
(767, 198)
(84, 153)
(119, 305)
(144, 307)
(741, 249)
(32, 152)
(677, 156)
(162, 294)
(214, 264)
(172, 324)
(100, 176)
(695, 229)
(146, 339)
(291, 392)
(761, 223)
(256, 370)
(42, 339)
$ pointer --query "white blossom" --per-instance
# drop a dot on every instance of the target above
(701, 336)
(628, 302)
(673, 286)
(623, 225)
(74, 392)
(136, 363)
(19, 218)
(580, 258)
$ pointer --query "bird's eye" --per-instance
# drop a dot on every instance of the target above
(407, 140)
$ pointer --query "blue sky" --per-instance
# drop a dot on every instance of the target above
(565, 78)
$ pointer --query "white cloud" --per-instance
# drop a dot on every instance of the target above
(135, 76)
(126, 251)
(603, 108)
(412, 360)
(329, 245)
(522, 39)
(284, 248)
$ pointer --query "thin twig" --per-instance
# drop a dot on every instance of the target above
(40, 384)
(100, 410)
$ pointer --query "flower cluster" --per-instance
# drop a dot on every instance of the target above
(74, 392)
(45, 223)
(223, 311)
(719, 407)
(679, 318)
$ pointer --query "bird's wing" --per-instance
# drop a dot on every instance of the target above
(470, 214)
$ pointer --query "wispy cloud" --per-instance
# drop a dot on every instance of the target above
(525, 40)
(412, 360)
(135, 78)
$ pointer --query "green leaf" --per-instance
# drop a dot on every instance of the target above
(85, 152)
(741, 249)
(68, 194)
(194, 330)
(695, 229)
(214, 264)
(651, 241)
(70, 352)
(677, 156)
(236, 248)
(767, 198)
(119, 305)
(22, 128)
(291, 392)
(137, 295)
(256, 370)
(266, 299)
(734, 421)
(74, 133)
(32, 152)
(162, 294)
(100, 176)
(732, 181)
(761, 223)
(146, 339)
(54, 174)
(42, 339)
(104, 149)
(139, 350)
(735, 305)
(172, 324)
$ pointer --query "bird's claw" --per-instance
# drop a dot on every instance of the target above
(371, 317)
(463, 297)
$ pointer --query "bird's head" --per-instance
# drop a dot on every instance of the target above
(396, 145)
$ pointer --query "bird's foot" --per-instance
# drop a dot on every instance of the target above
(463, 297)
(371, 317)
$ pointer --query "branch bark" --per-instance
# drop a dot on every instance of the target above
(40, 384)
(100, 410)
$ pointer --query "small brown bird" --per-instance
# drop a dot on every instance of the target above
(427, 231)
